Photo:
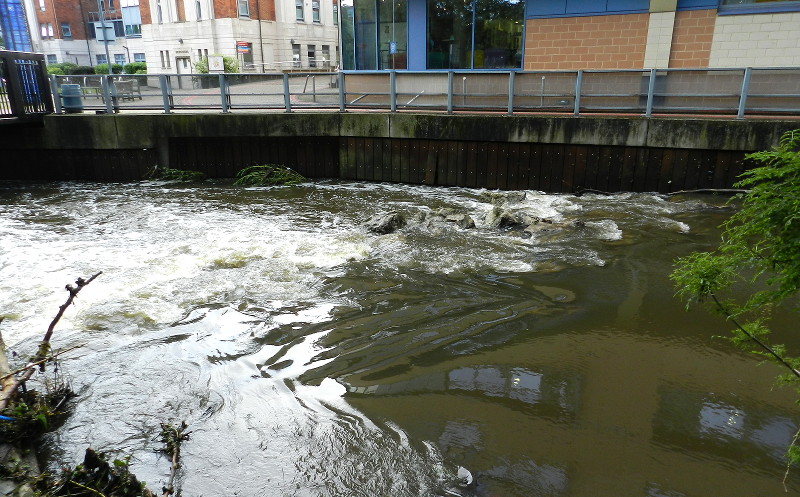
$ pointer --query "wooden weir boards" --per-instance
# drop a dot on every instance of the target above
(552, 168)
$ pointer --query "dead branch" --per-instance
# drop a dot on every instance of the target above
(172, 438)
(10, 387)
(49, 358)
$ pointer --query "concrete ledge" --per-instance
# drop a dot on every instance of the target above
(138, 131)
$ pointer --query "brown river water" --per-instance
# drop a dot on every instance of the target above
(311, 357)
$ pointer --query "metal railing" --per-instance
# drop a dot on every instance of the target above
(24, 88)
(738, 92)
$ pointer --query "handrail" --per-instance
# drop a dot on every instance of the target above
(737, 92)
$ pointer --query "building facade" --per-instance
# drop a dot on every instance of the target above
(569, 34)
(173, 35)
(263, 35)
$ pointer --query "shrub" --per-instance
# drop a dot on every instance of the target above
(268, 175)
(135, 67)
(230, 63)
(103, 69)
(55, 69)
(82, 70)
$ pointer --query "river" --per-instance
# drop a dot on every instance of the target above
(311, 357)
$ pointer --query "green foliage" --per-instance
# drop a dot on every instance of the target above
(230, 64)
(83, 70)
(268, 175)
(135, 67)
(177, 175)
(759, 251)
(33, 414)
(103, 68)
(54, 69)
(95, 476)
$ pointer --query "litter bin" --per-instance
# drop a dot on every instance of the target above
(71, 98)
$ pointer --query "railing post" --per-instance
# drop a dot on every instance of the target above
(745, 91)
(341, 91)
(651, 88)
(223, 93)
(54, 91)
(105, 83)
(511, 90)
(166, 96)
(287, 99)
(578, 84)
(449, 92)
(393, 91)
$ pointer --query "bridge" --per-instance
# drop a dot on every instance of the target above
(655, 130)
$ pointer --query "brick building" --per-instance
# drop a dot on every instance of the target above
(262, 34)
(71, 30)
(172, 35)
(570, 34)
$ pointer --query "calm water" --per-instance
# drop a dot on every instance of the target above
(313, 358)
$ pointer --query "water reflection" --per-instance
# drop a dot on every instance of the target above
(706, 424)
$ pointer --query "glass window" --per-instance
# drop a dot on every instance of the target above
(244, 8)
(296, 55)
(476, 35)
(198, 10)
(119, 29)
(366, 34)
(43, 30)
(50, 32)
(348, 30)
(101, 58)
(52, 59)
(392, 29)
(315, 11)
(66, 32)
(335, 14)
(498, 34)
(326, 56)
(133, 30)
(41, 5)
(119, 58)
(449, 34)
(139, 57)
(299, 14)
(312, 56)
(159, 12)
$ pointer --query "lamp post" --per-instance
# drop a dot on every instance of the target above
(105, 38)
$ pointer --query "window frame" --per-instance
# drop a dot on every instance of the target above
(299, 11)
(66, 31)
(243, 12)
(763, 7)
(316, 12)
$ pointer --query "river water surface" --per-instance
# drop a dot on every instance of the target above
(311, 357)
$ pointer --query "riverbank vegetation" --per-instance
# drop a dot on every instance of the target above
(268, 175)
(759, 255)
(27, 413)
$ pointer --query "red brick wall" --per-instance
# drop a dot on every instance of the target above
(61, 11)
(691, 38)
(259, 9)
(599, 42)
(144, 11)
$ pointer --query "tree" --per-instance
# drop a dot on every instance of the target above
(230, 64)
(760, 253)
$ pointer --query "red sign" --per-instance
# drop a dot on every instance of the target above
(242, 47)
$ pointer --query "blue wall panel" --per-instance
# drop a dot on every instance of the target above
(568, 8)
(417, 34)
(697, 4)
(15, 27)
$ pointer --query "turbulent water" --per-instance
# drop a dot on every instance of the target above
(311, 357)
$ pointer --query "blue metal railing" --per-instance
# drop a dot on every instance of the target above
(736, 92)
(24, 87)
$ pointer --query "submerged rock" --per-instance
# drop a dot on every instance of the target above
(385, 222)
(503, 198)
(463, 221)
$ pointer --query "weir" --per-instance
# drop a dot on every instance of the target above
(549, 153)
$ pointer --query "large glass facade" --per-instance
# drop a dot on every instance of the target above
(378, 30)
(475, 34)
(460, 34)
